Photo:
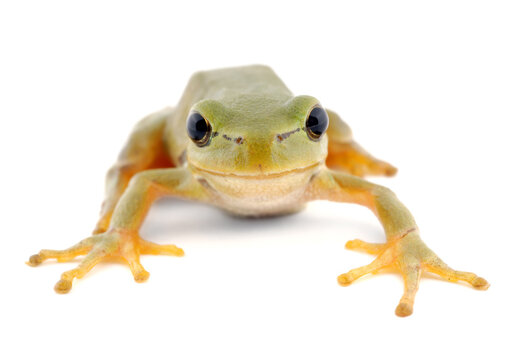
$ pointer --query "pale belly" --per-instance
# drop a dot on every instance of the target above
(258, 196)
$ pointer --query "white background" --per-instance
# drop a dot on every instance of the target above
(437, 88)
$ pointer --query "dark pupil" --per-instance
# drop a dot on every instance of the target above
(317, 122)
(197, 127)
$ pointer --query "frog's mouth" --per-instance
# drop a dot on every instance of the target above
(260, 175)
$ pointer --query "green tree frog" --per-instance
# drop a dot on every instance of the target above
(238, 139)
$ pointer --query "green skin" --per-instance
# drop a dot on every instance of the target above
(259, 161)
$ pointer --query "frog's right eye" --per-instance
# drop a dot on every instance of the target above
(199, 129)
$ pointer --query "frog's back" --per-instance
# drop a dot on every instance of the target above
(228, 82)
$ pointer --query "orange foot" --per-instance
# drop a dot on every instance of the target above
(411, 257)
(114, 243)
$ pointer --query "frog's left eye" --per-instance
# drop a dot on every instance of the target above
(316, 123)
(199, 129)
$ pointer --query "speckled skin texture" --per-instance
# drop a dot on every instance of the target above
(259, 161)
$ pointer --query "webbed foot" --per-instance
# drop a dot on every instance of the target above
(411, 257)
(126, 245)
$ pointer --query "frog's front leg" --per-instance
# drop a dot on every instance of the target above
(145, 149)
(404, 249)
(122, 239)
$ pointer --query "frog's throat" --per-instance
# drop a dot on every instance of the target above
(256, 176)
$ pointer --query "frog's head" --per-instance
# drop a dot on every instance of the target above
(257, 135)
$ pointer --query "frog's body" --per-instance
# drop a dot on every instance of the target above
(256, 150)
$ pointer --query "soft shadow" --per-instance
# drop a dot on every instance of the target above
(184, 219)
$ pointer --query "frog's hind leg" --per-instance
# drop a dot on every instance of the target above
(145, 149)
(345, 154)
